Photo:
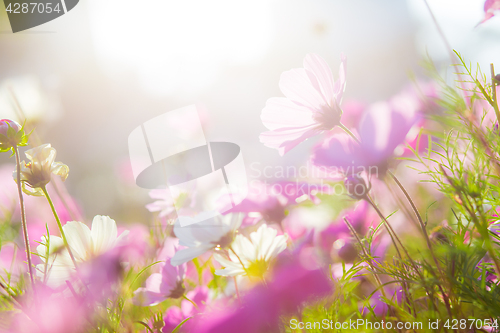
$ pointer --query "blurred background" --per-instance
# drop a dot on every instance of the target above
(88, 78)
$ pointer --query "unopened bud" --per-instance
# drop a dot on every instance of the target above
(497, 78)
(356, 187)
(11, 135)
(348, 252)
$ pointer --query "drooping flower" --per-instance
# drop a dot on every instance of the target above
(168, 283)
(11, 135)
(311, 104)
(38, 172)
(176, 315)
(490, 7)
(204, 236)
(252, 256)
(383, 128)
(85, 244)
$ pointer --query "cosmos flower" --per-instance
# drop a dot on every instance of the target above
(289, 287)
(168, 283)
(204, 236)
(175, 315)
(269, 202)
(383, 128)
(85, 244)
(38, 172)
(311, 104)
(252, 256)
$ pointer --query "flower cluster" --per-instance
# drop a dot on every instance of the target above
(413, 237)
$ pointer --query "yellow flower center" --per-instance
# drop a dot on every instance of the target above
(257, 268)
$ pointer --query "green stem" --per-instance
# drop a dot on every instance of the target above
(191, 301)
(44, 189)
(348, 131)
(23, 216)
(494, 93)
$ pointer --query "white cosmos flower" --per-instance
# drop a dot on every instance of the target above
(252, 256)
(38, 172)
(203, 236)
(85, 244)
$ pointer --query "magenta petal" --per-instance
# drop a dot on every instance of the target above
(173, 317)
(339, 151)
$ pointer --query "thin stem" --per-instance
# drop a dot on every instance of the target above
(191, 301)
(63, 235)
(370, 262)
(237, 290)
(23, 217)
(419, 217)
(353, 231)
(494, 92)
(348, 131)
(391, 230)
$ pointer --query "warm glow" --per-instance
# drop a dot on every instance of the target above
(179, 45)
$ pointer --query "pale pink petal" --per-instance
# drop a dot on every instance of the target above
(296, 85)
(286, 139)
(319, 67)
(340, 84)
(280, 112)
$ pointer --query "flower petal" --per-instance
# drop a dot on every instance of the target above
(104, 234)
(296, 85)
(280, 112)
(79, 239)
(319, 67)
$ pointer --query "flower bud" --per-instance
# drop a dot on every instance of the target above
(497, 78)
(348, 252)
(11, 135)
(356, 187)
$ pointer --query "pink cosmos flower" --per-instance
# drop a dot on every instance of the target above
(269, 201)
(311, 104)
(384, 126)
(176, 315)
(160, 286)
(490, 7)
(360, 217)
(290, 286)
(166, 284)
